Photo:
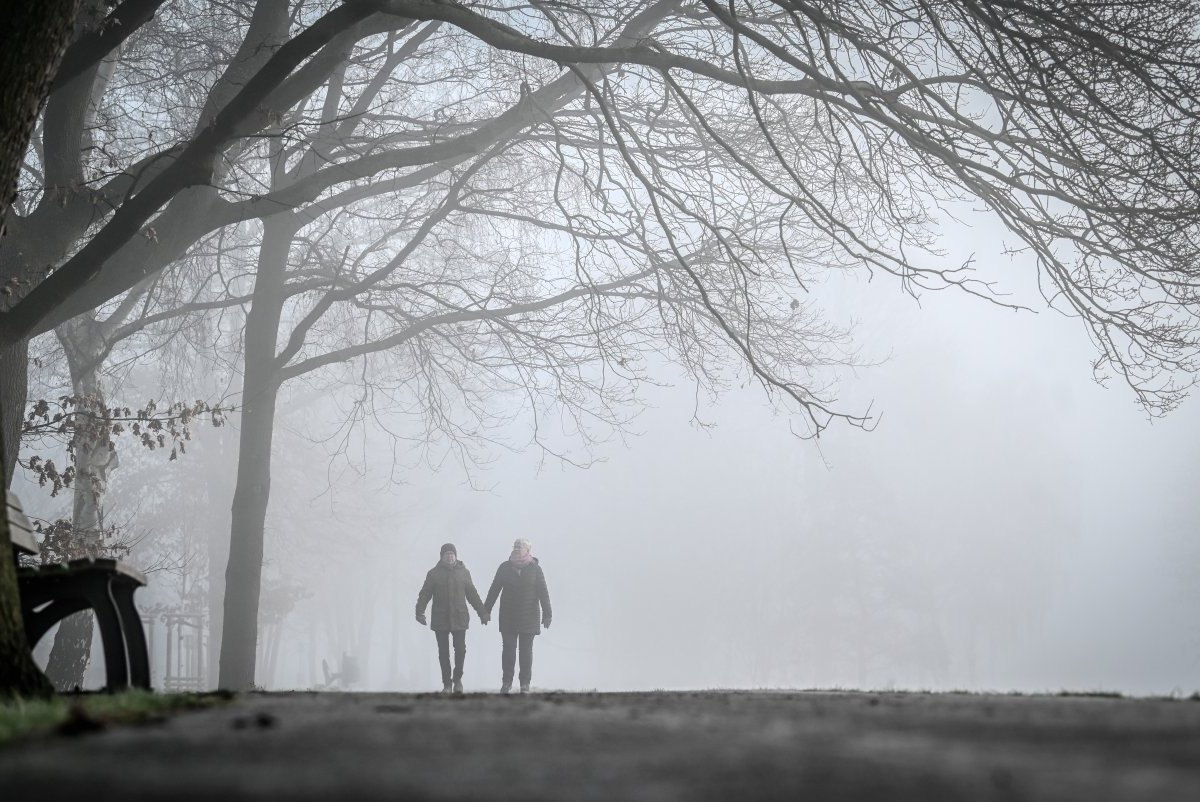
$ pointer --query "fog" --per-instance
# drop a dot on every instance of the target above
(1006, 523)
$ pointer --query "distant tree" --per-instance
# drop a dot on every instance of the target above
(444, 334)
(145, 323)
(73, 431)
(88, 430)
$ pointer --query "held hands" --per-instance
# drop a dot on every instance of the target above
(484, 617)
(421, 619)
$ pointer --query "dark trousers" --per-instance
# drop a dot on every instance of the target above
(508, 657)
(460, 653)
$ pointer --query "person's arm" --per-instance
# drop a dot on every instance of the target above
(423, 598)
(474, 600)
(544, 597)
(493, 592)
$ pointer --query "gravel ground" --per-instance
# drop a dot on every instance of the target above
(650, 746)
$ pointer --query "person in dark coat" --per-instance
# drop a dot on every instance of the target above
(450, 587)
(520, 585)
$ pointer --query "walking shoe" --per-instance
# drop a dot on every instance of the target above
(447, 688)
(525, 688)
(506, 687)
(458, 686)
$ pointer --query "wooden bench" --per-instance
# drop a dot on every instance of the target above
(50, 593)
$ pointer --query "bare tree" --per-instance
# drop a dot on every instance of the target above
(87, 425)
(86, 341)
(1022, 107)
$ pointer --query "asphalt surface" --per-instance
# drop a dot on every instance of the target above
(652, 746)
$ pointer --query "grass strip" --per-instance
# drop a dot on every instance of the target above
(77, 714)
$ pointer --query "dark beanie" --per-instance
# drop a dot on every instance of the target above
(448, 547)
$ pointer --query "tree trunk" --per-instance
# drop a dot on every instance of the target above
(19, 675)
(31, 46)
(71, 652)
(84, 348)
(14, 385)
(260, 388)
(34, 39)
(362, 646)
(220, 492)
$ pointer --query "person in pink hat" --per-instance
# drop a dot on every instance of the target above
(520, 585)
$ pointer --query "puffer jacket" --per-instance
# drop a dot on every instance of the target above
(451, 589)
(521, 591)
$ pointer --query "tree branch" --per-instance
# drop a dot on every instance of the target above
(90, 49)
(195, 165)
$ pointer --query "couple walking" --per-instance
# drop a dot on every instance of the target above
(520, 586)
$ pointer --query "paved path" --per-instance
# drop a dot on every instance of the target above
(654, 746)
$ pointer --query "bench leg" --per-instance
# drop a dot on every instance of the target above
(134, 636)
(116, 662)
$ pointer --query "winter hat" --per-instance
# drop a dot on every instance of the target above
(448, 547)
(522, 553)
